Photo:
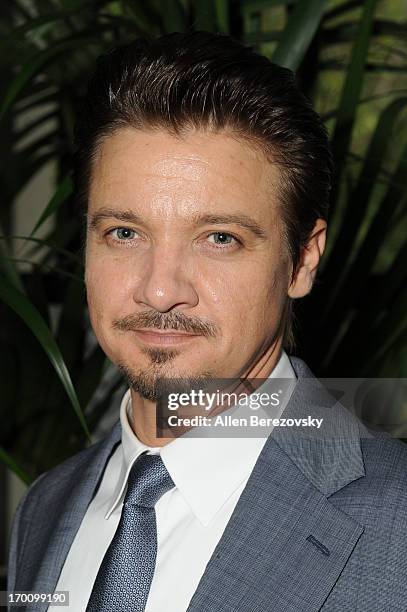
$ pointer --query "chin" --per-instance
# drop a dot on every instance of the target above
(157, 380)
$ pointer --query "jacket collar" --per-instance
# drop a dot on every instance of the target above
(329, 457)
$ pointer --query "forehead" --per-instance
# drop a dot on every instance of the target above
(201, 169)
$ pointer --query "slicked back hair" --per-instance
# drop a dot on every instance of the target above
(203, 81)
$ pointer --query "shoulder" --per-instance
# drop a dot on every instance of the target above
(63, 478)
(380, 496)
(71, 466)
(385, 461)
(52, 494)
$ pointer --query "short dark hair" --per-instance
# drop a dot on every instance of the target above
(202, 80)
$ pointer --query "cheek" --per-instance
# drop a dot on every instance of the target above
(260, 299)
(242, 297)
(108, 290)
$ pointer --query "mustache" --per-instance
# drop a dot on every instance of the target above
(172, 320)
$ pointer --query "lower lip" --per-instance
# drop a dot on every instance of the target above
(164, 339)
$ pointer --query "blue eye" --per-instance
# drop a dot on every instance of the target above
(223, 238)
(124, 233)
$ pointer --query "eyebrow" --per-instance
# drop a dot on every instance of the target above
(240, 219)
(128, 216)
(199, 219)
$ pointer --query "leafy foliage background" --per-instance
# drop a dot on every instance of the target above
(351, 60)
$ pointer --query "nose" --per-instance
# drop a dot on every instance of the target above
(166, 281)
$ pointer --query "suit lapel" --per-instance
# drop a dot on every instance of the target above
(286, 543)
(57, 529)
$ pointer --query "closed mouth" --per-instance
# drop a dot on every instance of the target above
(163, 337)
(165, 332)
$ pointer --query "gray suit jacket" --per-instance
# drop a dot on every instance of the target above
(320, 525)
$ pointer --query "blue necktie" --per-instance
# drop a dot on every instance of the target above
(124, 578)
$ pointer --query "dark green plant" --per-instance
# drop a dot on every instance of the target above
(353, 323)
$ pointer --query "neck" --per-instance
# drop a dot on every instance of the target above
(143, 422)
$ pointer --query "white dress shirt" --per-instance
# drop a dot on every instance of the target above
(209, 475)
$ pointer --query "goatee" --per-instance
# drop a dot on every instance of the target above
(155, 386)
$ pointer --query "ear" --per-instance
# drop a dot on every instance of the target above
(309, 259)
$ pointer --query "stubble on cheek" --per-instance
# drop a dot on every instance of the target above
(99, 294)
(273, 297)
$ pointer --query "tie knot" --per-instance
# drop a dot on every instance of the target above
(148, 481)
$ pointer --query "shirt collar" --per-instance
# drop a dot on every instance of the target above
(131, 448)
(206, 470)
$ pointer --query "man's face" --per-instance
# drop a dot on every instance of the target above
(185, 236)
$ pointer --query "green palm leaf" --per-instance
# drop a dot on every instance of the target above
(64, 190)
(30, 315)
(11, 463)
(299, 32)
(352, 87)
(33, 66)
